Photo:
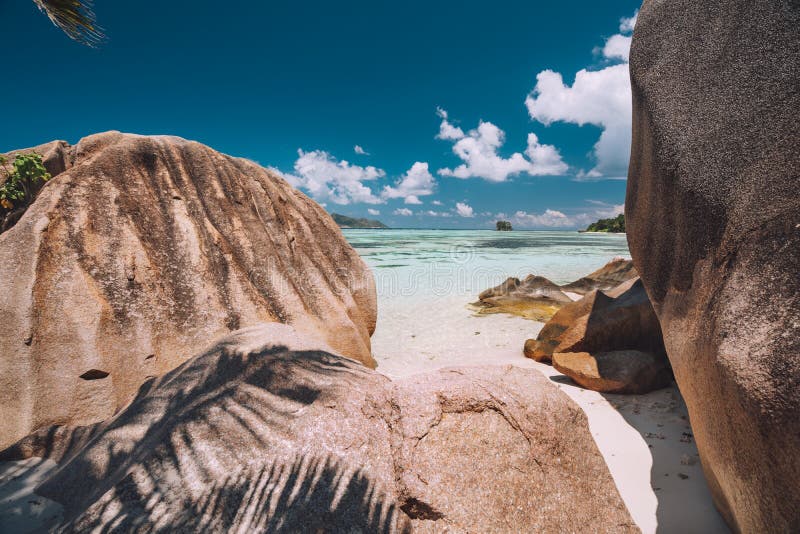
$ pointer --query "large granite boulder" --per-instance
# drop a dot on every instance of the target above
(535, 298)
(609, 276)
(144, 250)
(713, 220)
(619, 319)
(616, 371)
(268, 431)
(538, 298)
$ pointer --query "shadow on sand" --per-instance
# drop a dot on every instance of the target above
(676, 476)
(684, 502)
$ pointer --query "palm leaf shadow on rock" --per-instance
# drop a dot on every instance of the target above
(201, 449)
(309, 494)
(271, 433)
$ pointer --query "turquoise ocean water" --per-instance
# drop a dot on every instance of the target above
(414, 263)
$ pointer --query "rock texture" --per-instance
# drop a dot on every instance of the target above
(713, 216)
(609, 276)
(267, 432)
(620, 319)
(144, 250)
(55, 158)
(538, 298)
(619, 371)
(535, 298)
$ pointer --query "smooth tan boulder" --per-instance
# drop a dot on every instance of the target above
(143, 251)
(713, 220)
(619, 319)
(607, 277)
(539, 299)
(535, 298)
(619, 371)
(267, 431)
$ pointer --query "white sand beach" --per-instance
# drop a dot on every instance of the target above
(424, 323)
(645, 439)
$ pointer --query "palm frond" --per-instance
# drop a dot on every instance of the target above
(75, 18)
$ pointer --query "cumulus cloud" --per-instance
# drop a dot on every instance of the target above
(415, 183)
(598, 97)
(446, 130)
(604, 210)
(403, 211)
(478, 149)
(325, 178)
(372, 211)
(360, 151)
(550, 218)
(618, 47)
(437, 202)
(626, 25)
(432, 213)
(464, 210)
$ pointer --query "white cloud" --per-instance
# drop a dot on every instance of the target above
(464, 210)
(601, 98)
(618, 47)
(446, 130)
(626, 25)
(325, 178)
(403, 211)
(479, 152)
(360, 151)
(605, 210)
(373, 211)
(432, 213)
(550, 218)
(545, 159)
(437, 202)
(415, 183)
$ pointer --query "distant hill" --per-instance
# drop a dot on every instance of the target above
(349, 222)
(614, 225)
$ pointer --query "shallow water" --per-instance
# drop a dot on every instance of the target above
(426, 278)
(410, 263)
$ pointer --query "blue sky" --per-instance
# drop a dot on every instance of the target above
(441, 98)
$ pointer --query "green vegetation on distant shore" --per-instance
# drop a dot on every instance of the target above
(349, 222)
(614, 225)
(503, 226)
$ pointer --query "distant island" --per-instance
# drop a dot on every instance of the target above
(615, 225)
(503, 226)
(349, 222)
